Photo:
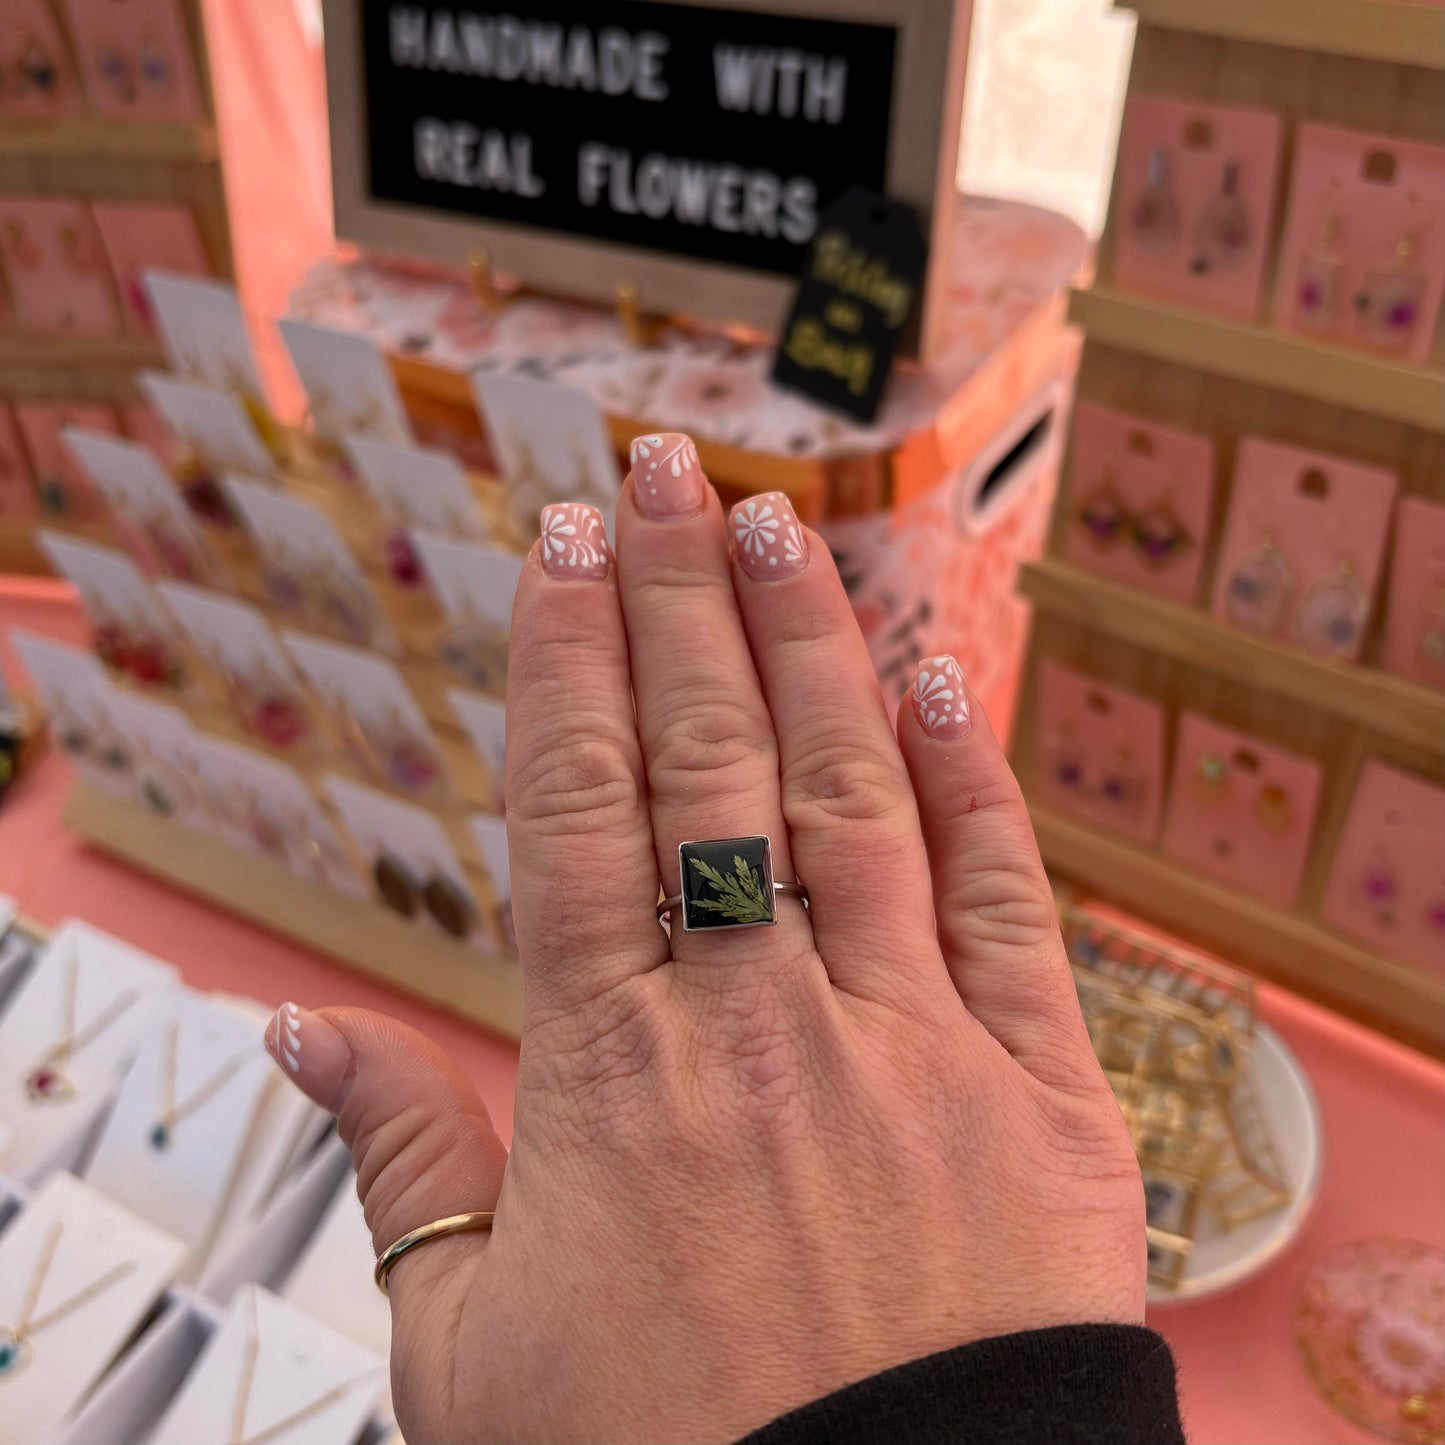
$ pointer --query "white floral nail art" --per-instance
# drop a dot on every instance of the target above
(574, 541)
(940, 700)
(675, 452)
(667, 477)
(288, 1036)
(769, 540)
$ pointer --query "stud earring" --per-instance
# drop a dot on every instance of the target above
(1388, 306)
(113, 68)
(402, 560)
(1120, 784)
(1068, 765)
(36, 68)
(1102, 514)
(1320, 280)
(1381, 885)
(1155, 214)
(1222, 235)
(1435, 913)
(155, 72)
(1158, 534)
(1331, 614)
(1272, 810)
(1258, 588)
(1211, 777)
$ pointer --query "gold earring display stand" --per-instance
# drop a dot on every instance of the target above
(1363, 64)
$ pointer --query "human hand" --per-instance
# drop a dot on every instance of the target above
(749, 1166)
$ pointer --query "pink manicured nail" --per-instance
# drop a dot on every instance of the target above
(940, 700)
(312, 1054)
(574, 542)
(667, 478)
(771, 545)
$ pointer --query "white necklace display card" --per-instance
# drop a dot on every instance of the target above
(78, 695)
(485, 721)
(68, 1031)
(551, 444)
(383, 826)
(183, 1118)
(103, 1269)
(471, 583)
(332, 1279)
(347, 382)
(419, 488)
(212, 424)
(271, 1363)
(203, 332)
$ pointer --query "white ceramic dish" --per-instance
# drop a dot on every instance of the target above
(1292, 1117)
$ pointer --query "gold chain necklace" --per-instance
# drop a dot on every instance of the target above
(48, 1079)
(237, 1434)
(172, 1114)
(15, 1347)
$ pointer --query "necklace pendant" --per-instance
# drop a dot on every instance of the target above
(46, 1083)
(160, 1137)
(14, 1352)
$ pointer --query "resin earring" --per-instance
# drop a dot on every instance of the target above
(1388, 305)
(1158, 534)
(24, 254)
(1271, 808)
(1320, 281)
(1211, 777)
(1102, 514)
(1258, 588)
(77, 258)
(1435, 913)
(1119, 783)
(36, 68)
(1222, 235)
(1381, 885)
(114, 69)
(1068, 765)
(1430, 644)
(1154, 218)
(155, 72)
(1331, 614)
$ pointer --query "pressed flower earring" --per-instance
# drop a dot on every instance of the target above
(1388, 305)
(36, 67)
(1258, 588)
(1211, 777)
(1223, 233)
(1381, 885)
(1272, 810)
(1102, 514)
(1331, 614)
(1158, 534)
(1320, 280)
(1154, 217)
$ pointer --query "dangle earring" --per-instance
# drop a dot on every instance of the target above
(1381, 885)
(1258, 588)
(1320, 280)
(1222, 235)
(1211, 778)
(1435, 913)
(36, 68)
(476, 652)
(1068, 761)
(1102, 513)
(1331, 614)
(1120, 784)
(24, 255)
(155, 72)
(114, 69)
(1155, 214)
(1430, 644)
(1158, 534)
(1271, 808)
(1387, 308)
(77, 257)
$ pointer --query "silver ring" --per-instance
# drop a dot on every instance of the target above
(727, 883)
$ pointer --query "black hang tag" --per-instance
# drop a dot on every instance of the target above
(857, 293)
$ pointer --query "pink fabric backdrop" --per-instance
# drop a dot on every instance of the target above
(1242, 1382)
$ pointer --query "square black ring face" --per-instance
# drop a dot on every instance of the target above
(727, 883)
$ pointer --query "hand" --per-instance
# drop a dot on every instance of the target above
(749, 1166)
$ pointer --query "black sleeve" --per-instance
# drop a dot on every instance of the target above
(1074, 1385)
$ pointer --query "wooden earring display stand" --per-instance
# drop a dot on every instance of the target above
(1365, 64)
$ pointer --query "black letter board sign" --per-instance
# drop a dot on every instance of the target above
(685, 146)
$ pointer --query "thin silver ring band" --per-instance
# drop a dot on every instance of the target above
(788, 890)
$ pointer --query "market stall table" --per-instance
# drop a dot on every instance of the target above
(1241, 1377)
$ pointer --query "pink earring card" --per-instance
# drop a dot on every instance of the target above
(1387, 883)
(39, 75)
(141, 237)
(18, 497)
(1194, 199)
(1362, 259)
(1414, 643)
(1101, 752)
(135, 59)
(1139, 500)
(55, 268)
(1303, 546)
(1240, 811)
(63, 487)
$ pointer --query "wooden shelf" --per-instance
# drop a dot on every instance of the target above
(89, 138)
(19, 551)
(1391, 30)
(409, 956)
(1254, 353)
(71, 353)
(1284, 946)
(1376, 701)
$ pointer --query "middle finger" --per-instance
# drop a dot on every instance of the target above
(707, 738)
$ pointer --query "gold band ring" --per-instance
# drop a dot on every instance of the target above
(454, 1224)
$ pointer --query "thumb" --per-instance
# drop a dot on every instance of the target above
(420, 1138)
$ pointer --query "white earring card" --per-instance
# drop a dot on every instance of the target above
(419, 488)
(231, 636)
(163, 740)
(211, 424)
(485, 722)
(89, 1271)
(204, 332)
(111, 586)
(347, 382)
(471, 582)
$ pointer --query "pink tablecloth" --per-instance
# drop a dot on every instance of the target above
(1242, 1383)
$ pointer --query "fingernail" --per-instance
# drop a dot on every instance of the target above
(940, 700)
(312, 1054)
(667, 479)
(574, 542)
(771, 545)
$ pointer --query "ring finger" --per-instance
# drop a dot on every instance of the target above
(707, 739)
